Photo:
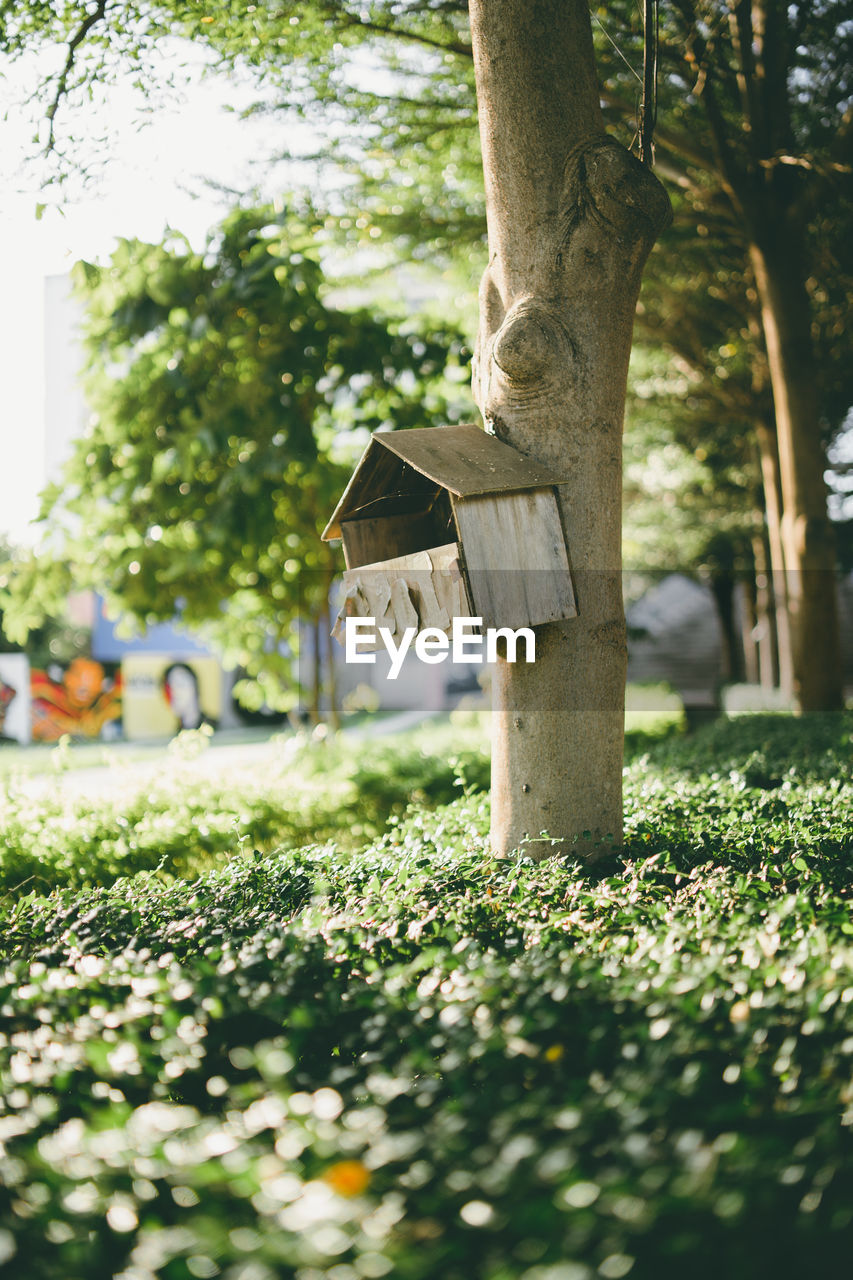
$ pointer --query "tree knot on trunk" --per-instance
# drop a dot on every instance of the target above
(603, 182)
(531, 341)
(530, 359)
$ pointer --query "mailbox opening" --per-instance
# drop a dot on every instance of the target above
(415, 517)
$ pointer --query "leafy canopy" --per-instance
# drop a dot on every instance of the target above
(387, 86)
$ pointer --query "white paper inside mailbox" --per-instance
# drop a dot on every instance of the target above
(425, 589)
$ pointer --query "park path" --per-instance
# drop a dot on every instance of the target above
(132, 766)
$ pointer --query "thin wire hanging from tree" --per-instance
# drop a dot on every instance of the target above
(649, 103)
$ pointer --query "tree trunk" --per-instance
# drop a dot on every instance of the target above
(571, 219)
(314, 710)
(749, 629)
(757, 159)
(722, 584)
(767, 668)
(807, 536)
(329, 662)
(773, 510)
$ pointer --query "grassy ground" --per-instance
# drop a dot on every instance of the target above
(651, 709)
(330, 1037)
(52, 758)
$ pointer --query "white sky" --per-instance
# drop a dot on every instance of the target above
(143, 189)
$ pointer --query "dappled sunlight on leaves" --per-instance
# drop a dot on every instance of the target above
(413, 1059)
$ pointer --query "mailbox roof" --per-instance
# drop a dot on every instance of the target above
(462, 459)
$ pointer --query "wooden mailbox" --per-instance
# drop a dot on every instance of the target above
(444, 522)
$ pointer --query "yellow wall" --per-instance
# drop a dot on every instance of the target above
(146, 712)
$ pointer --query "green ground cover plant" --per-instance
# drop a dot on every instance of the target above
(400, 1057)
(184, 821)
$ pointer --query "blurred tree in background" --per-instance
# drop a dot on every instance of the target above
(229, 398)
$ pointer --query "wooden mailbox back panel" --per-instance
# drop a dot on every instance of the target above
(515, 558)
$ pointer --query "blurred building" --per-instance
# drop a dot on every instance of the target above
(65, 411)
(675, 636)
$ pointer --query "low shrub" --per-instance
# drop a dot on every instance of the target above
(186, 821)
(413, 1060)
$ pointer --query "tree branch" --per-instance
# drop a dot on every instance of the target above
(742, 36)
(92, 19)
(402, 33)
(724, 155)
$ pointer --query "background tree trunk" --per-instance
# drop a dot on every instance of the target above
(771, 184)
(765, 630)
(571, 219)
(749, 628)
(722, 584)
(807, 537)
(766, 434)
(334, 716)
(314, 709)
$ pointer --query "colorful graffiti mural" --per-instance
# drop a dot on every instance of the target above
(147, 696)
(82, 701)
(7, 694)
(181, 690)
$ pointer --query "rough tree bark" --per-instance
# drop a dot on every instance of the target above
(572, 217)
